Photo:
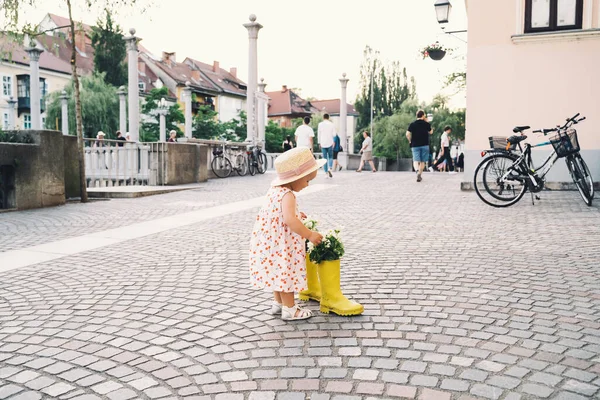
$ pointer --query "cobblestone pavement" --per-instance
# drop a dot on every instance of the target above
(461, 300)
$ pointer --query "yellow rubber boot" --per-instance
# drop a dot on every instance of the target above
(332, 298)
(312, 279)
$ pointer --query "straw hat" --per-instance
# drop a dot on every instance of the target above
(294, 164)
(100, 133)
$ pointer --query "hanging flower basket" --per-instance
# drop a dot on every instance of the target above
(435, 51)
(436, 54)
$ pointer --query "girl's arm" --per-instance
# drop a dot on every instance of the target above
(288, 204)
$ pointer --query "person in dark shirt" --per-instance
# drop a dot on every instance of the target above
(120, 137)
(418, 136)
(172, 137)
(287, 144)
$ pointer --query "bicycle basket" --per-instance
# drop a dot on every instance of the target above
(217, 151)
(565, 143)
(500, 142)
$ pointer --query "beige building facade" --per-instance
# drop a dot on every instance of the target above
(533, 62)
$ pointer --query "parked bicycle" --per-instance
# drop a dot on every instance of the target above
(506, 174)
(223, 167)
(257, 160)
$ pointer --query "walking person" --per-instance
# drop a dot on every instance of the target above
(304, 134)
(277, 247)
(337, 148)
(326, 133)
(445, 150)
(121, 138)
(418, 136)
(367, 152)
(288, 144)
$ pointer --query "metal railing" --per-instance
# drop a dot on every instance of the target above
(119, 163)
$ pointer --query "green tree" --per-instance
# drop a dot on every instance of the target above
(13, 23)
(275, 135)
(390, 87)
(206, 125)
(150, 129)
(109, 51)
(99, 107)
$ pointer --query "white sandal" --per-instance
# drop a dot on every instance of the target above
(276, 308)
(289, 313)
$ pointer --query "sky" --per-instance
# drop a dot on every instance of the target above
(306, 45)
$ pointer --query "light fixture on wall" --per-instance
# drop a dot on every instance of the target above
(442, 10)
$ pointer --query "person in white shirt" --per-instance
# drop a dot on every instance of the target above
(326, 133)
(367, 152)
(304, 135)
(444, 151)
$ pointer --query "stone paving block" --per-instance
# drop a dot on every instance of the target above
(413, 366)
(429, 394)
(29, 395)
(261, 396)
(486, 391)
(338, 387)
(423, 381)
(537, 390)
(455, 385)
(580, 387)
(407, 392)
(8, 390)
(474, 375)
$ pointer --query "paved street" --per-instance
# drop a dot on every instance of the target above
(149, 298)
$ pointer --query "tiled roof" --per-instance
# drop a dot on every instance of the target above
(62, 21)
(182, 73)
(223, 79)
(286, 102)
(61, 48)
(14, 52)
(149, 77)
(332, 106)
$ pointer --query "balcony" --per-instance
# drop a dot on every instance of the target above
(24, 105)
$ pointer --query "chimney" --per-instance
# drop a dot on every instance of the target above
(80, 40)
(284, 88)
(168, 57)
(216, 68)
(233, 71)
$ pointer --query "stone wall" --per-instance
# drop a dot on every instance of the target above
(39, 170)
(71, 162)
(179, 163)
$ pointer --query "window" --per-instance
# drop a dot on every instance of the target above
(23, 86)
(142, 86)
(43, 88)
(5, 121)
(7, 86)
(553, 15)
(26, 121)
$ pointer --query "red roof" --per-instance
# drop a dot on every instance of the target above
(61, 48)
(332, 107)
(286, 102)
(223, 79)
(182, 73)
(62, 21)
(14, 52)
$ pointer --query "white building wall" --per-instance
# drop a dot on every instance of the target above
(230, 107)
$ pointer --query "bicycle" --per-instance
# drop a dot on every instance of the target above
(257, 160)
(222, 166)
(508, 174)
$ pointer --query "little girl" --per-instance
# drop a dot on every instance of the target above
(277, 248)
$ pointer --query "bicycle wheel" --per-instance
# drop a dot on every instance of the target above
(241, 165)
(221, 166)
(263, 163)
(251, 165)
(492, 188)
(582, 177)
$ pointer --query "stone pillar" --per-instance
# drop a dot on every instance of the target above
(253, 28)
(162, 114)
(12, 117)
(34, 86)
(344, 116)
(134, 91)
(187, 97)
(122, 110)
(64, 102)
(262, 106)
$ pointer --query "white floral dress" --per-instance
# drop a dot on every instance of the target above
(277, 255)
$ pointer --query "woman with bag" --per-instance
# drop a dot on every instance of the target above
(337, 148)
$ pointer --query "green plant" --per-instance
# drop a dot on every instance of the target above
(14, 137)
(433, 47)
(330, 249)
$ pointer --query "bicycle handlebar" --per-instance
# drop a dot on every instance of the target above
(570, 121)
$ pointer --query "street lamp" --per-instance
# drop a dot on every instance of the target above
(163, 109)
(442, 10)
